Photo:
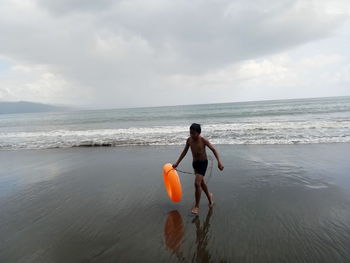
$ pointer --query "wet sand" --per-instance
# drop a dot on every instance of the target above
(282, 203)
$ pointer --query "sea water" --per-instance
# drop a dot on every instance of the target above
(303, 121)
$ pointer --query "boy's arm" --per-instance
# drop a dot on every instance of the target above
(182, 154)
(212, 148)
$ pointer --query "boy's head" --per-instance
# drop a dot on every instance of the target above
(195, 130)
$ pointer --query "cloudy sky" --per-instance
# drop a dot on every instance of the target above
(126, 53)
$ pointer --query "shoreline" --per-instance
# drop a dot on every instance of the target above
(103, 204)
(165, 146)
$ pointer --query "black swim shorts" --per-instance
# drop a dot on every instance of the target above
(200, 166)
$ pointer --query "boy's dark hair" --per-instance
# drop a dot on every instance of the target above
(196, 127)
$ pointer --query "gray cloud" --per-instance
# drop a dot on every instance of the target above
(197, 35)
(209, 34)
(116, 49)
(64, 7)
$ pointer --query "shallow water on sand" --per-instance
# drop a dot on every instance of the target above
(283, 203)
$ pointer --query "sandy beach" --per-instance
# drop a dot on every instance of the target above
(273, 203)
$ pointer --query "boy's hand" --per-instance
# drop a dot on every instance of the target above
(220, 166)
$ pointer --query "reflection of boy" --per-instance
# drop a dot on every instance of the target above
(202, 238)
(200, 162)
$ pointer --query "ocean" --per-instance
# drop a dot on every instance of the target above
(283, 196)
(296, 121)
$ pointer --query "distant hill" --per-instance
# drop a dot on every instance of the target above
(25, 106)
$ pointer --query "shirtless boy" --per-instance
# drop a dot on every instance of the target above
(200, 163)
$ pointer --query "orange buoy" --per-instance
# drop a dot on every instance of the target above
(172, 182)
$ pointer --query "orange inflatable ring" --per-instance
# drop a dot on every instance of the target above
(172, 182)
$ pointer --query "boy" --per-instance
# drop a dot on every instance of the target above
(200, 163)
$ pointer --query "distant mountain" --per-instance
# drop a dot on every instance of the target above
(25, 106)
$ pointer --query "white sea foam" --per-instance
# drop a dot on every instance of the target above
(276, 122)
(232, 133)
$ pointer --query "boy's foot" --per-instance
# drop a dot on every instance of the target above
(195, 210)
(211, 204)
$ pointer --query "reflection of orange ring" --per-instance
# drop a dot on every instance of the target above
(174, 230)
(172, 182)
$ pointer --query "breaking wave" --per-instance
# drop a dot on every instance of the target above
(292, 132)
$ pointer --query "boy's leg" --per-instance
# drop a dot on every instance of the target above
(197, 185)
(205, 189)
